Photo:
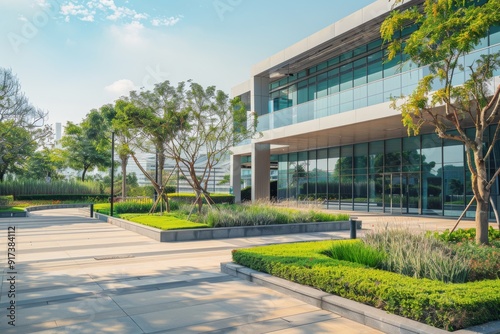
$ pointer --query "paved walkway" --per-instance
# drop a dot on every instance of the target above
(77, 275)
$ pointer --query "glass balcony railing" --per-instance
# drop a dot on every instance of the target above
(369, 94)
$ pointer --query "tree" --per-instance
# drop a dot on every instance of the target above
(150, 119)
(446, 31)
(209, 124)
(17, 145)
(87, 145)
(21, 124)
(43, 164)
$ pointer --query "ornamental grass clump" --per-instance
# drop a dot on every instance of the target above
(264, 214)
(418, 256)
(356, 251)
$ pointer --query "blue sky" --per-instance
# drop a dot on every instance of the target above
(73, 56)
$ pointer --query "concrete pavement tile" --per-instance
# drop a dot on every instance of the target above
(44, 326)
(88, 307)
(338, 325)
(122, 325)
(239, 322)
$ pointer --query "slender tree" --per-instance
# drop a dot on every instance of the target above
(447, 30)
(210, 125)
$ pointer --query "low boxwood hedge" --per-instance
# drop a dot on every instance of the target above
(190, 197)
(442, 305)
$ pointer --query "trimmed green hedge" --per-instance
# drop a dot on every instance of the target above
(72, 197)
(443, 305)
(189, 198)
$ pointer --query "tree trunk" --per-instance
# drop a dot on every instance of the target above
(482, 221)
(83, 173)
(482, 193)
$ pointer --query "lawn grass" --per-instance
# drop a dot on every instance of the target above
(11, 209)
(165, 222)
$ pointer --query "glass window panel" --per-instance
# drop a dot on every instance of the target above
(346, 159)
(392, 67)
(346, 195)
(360, 50)
(432, 175)
(322, 66)
(376, 156)
(283, 81)
(411, 154)
(312, 70)
(346, 56)
(322, 174)
(312, 92)
(494, 35)
(454, 180)
(274, 85)
(376, 44)
(360, 189)
(392, 156)
(333, 174)
(374, 71)
(333, 61)
(322, 89)
(346, 80)
(359, 76)
(292, 95)
(333, 85)
(302, 95)
(302, 74)
(360, 158)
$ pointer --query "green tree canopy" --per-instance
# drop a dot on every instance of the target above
(447, 30)
(88, 145)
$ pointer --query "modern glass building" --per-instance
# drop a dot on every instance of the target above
(323, 107)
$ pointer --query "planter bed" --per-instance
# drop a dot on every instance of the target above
(226, 232)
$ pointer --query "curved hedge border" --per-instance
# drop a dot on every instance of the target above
(442, 305)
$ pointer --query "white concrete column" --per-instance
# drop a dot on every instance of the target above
(261, 162)
(236, 177)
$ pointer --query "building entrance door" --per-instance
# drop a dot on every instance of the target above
(401, 193)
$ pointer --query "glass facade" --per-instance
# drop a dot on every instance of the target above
(355, 79)
(411, 175)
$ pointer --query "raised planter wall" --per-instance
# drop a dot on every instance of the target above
(226, 232)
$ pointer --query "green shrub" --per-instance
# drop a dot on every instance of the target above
(418, 256)
(444, 305)
(356, 251)
(55, 187)
(468, 234)
(190, 198)
(6, 199)
(143, 206)
(262, 214)
(63, 197)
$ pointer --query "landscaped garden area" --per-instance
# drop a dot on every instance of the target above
(182, 216)
(444, 280)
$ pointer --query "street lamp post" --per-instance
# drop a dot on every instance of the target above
(112, 172)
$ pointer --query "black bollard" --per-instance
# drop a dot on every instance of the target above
(353, 227)
(92, 210)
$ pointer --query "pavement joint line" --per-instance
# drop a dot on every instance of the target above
(116, 292)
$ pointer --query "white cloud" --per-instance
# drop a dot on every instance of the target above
(167, 22)
(120, 87)
(80, 11)
(89, 10)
